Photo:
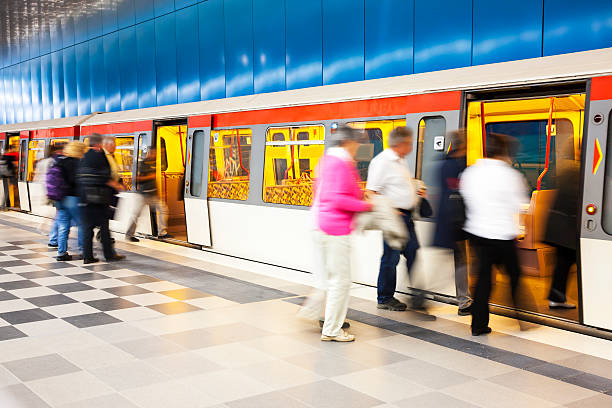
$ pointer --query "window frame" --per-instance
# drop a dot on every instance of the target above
(606, 211)
(234, 180)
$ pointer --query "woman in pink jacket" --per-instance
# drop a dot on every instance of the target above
(338, 199)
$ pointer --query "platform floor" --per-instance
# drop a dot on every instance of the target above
(177, 327)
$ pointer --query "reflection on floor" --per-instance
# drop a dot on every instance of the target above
(165, 330)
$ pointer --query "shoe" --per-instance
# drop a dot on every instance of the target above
(465, 311)
(560, 305)
(77, 257)
(165, 236)
(345, 325)
(90, 260)
(50, 245)
(99, 238)
(132, 239)
(115, 258)
(393, 304)
(64, 257)
(343, 337)
(478, 332)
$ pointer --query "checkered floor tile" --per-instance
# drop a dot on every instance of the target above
(35, 287)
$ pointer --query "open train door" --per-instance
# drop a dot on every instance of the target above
(596, 210)
(196, 181)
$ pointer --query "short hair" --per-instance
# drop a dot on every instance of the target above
(95, 140)
(458, 140)
(499, 145)
(54, 148)
(399, 135)
(345, 134)
(108, 139)
(75, 149)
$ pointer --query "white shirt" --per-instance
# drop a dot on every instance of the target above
(493, 193)
(390, 176)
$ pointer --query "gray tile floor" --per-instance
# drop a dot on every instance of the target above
(151, 333)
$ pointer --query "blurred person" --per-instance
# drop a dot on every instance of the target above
(109, 145)
(96, 188)
(40, 178)
(146, 185)
(8, 171)
(338, 199)
(68, 209)
(447, 233)
(390, 176)
(494, 193)
(561, 228)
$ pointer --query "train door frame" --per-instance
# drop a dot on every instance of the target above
(22, 171)
(197, 214)
(595, 243)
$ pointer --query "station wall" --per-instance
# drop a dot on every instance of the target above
(125, 54)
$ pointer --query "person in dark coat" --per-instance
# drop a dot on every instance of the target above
(447, 234)
(96, 190)
(561, 228)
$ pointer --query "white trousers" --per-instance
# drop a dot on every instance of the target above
(333, 277)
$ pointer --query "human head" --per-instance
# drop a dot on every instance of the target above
(400, 140)
(347, 138)
(95, 141)
(109, 144)
(56, 149)
(457, 143)
(75, 149)
(501, 147)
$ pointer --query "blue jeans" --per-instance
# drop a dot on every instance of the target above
(68, 213)
(387, 276)
(53, 231)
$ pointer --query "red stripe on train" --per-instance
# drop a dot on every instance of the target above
(601, 88)
(69, 132)
(118, 128)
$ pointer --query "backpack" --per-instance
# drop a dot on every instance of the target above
(57, 187)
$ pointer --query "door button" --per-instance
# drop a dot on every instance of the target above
(591, 225)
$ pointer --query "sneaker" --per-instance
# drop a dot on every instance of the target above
(393, 304)
(132, 239)
(115, 258)
(465, 311)
(90, 260)
(560, 305)
(345, 325)
(343, 337)
(64, 257)
(165, 236)
(483, 330)
(50, 245)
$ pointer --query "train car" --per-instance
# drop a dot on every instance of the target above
(237, 173)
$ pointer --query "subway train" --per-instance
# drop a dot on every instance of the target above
(237, 173)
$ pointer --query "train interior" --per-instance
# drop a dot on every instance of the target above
(171, 146)
(544, 126)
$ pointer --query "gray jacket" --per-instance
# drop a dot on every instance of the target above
(385, 218)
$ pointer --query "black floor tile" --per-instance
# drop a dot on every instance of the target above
(55, 265)
(30, 256)
(44, 249)
(4, 271)
(70, 287)
(7, 296)
(103, 267)
(591, 382)
(26, 316)
(115, 303)
(20, 284)
(16, 262)
(90, 320)
(50, 300)
(9, 248)
(556, 371)
(9, 333)
(37, 274)
(90, 276)
(136, 279)
(127, 290)
(174, 308)
(24, 242)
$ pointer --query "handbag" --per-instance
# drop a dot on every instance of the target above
(456, 211)
(425, 210)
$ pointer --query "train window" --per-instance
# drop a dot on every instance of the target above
(531, 155)
(377, 132)
(292, 154)
(163, 154)
(606, 210)
(197, 163)
(431, 148)
(229, 163)
(124, 157)
(36, 152)
(23, 155)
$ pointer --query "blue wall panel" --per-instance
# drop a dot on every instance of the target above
(125, 14)
(443, 34)
(111, 67)
(36, 89)
(46, 83)
(128, 68)
(343, 41)
(187, 55)
(34, 46)
(269, 45)
(67, 24)
(212, 50)
(44, 39)
(82, 74)
(145, 47)
(165, 58)
(94, 23)
(238, 17)
(8, 99)
(2, 111)
(55, 32)
(97, 77)
(80, 28)
(109, 17)
(184, 3)
(163, 7)
(518, 35)
(24, 49)
(144, 10)
(26, 91)
(571, 26)
(70, 82)
(304, 38)
(57, 62)
(389, 39)
(17, 95)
